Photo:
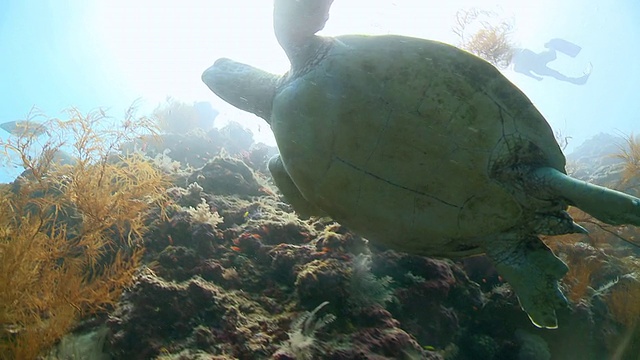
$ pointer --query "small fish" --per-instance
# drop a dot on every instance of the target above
(24, 128)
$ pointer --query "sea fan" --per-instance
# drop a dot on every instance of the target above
(302, 343)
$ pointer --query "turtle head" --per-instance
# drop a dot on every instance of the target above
(243, 86)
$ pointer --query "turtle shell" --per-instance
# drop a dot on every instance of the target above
(406, 141)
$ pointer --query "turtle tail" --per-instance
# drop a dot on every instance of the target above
(607, 205)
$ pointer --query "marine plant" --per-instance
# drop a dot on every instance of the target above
(630, 154)
(587, 254)
(365, 289)
(579, 278)
(483, 34)
(71, 225)
(623, 303)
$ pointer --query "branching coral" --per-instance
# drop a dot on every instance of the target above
(166, 163)
(70, 230)
(203, 214)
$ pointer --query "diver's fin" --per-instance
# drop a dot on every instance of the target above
(564, 46)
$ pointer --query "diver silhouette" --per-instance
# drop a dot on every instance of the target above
(535, 65)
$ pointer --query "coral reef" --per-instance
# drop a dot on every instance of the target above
(302, 343)
(255, 276)
(194, 149)
(176, 117)
(595, 160)
(278, 268)
(229, 271)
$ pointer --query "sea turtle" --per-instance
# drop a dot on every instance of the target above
(418, 146)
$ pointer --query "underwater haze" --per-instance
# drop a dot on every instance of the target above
(58, 54)
(416, 205)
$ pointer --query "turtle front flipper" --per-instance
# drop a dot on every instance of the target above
(295, 20)
(291, 193)
(610, 206)
(533, 271)
(295, 23)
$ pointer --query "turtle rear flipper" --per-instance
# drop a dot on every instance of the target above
(610, 206)
(533, 271)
